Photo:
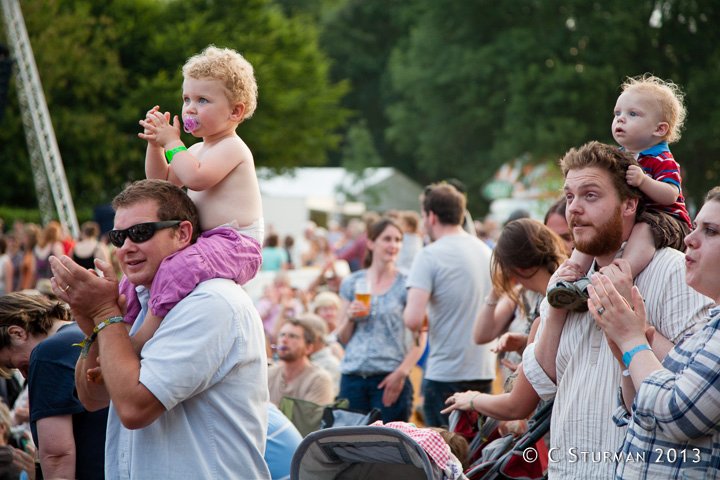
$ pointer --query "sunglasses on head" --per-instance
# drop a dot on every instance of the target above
(142, 232)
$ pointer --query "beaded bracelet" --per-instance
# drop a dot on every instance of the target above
(88, 341)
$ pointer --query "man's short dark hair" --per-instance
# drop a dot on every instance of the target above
(446, 202)
(606, 157)
(173, 203)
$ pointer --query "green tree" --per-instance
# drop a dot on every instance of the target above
(298, 108)
(358, 150)
(81, 75)
(360, 35)
(103, 64)
(480, 83)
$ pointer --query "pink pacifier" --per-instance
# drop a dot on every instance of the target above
(190, 124)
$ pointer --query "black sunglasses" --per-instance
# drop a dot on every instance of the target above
(142, 232)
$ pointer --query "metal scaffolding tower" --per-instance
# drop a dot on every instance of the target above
(44, 154)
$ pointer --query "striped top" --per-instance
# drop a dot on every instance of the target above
(660, 165)
(584, 437)
(674, 431)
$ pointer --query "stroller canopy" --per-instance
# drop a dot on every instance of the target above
(359, 453)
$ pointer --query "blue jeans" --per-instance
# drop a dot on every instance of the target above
(436, 393)
(364, 395)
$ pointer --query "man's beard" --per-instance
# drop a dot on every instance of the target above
(288, 356)
(607, 239)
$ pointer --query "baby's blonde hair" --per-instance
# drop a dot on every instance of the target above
(668, 95)
(231, 68)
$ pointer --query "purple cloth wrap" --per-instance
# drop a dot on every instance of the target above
(221, 252)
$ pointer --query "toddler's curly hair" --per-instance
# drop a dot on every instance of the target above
(670, 97)
(231, 68)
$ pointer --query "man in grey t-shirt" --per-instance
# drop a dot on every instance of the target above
(449, 279)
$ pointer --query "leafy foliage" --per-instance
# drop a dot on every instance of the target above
(435, 88)
(104, 64)
(459, 88)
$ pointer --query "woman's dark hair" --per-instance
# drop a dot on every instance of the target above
(33, 312)
(374, 231)
(90, 229)
(272, 240)
(557, 208)
(524, 244)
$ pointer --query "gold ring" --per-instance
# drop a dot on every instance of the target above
(66, 289)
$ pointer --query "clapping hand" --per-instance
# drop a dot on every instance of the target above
(623, 323)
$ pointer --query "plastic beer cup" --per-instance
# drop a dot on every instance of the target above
(363, 295)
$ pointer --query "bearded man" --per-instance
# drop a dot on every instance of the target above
(295, 375)
(570, 359)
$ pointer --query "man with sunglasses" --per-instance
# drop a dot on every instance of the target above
(194, 404)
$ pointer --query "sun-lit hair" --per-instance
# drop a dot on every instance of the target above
(713, 195)
(31, 233)
(315, 323)
(50, 234)
(410, 219)
(524, 244)
(326, 299)
(605, 157)
(229, 67)
(310, 335)
(670, 98)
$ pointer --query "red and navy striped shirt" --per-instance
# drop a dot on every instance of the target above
(658, 163)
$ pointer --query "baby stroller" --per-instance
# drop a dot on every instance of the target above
(362, 453)
(496, 457)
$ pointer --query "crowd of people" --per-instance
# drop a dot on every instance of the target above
(143, 357)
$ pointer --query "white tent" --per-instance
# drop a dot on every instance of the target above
(289, 199)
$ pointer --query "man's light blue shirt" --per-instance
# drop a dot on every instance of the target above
(207, 365)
